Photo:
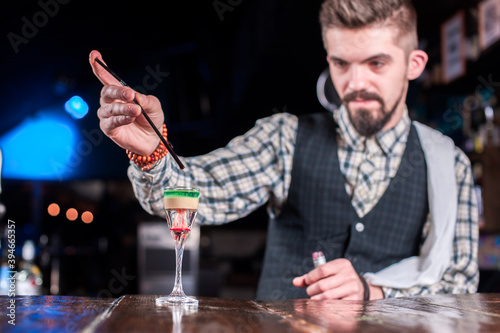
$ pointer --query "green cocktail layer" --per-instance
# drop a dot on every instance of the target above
(181, 199)
(181, 194)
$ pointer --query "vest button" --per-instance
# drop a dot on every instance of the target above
(360, 227)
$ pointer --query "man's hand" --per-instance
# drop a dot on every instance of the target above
(120, 118)
(336, 279)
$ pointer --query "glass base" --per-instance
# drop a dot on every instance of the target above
(173, 300)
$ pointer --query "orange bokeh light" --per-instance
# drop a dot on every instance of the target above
(87, 217)
(53, 209)
(72, 214)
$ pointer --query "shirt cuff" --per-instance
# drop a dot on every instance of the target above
(150, 176)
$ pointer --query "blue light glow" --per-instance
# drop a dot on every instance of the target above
(76, 107)
(40, 148)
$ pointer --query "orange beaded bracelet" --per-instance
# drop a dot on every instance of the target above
(146, 162)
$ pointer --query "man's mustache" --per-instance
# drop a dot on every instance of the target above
(363, 95)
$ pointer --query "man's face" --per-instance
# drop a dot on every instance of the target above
(369, 72)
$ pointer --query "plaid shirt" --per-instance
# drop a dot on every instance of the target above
(255, 169)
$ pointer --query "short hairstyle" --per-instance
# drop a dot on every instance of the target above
(358, 14)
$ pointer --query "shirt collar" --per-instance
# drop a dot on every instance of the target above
(388, 140)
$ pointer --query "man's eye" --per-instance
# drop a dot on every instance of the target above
(339, 63)
(377, 64)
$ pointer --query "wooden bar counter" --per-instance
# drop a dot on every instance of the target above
(138, 313)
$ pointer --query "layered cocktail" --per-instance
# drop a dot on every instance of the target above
(181, 206)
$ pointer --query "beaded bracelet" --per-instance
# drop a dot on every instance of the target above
(146, 162)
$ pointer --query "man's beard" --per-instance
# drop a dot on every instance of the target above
(365, 123)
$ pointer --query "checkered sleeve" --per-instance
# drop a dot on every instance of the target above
(462, 276)
(234, 180)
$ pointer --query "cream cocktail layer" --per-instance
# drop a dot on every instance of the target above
(178, 199)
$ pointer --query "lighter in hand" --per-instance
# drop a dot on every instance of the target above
(318, 258)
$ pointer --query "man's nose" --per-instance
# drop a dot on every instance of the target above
(357, 79)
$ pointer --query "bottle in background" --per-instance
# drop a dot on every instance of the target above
(29, 277)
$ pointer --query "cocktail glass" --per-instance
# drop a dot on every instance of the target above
(181, 206)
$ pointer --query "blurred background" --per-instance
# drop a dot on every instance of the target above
(216, 66)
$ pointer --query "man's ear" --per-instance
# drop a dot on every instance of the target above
(417, 61)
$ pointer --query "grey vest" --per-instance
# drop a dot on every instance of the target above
(318, 214)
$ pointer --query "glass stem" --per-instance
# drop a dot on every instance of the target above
(179, 253)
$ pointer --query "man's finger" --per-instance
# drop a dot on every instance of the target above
(108, 125)
(338, 293)
(148, 102)
(330, 268)
(299, 281)
(110, 94)
(323, 285)
(99, 71)
(318, 273)
(118, 109)
(309, 278)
